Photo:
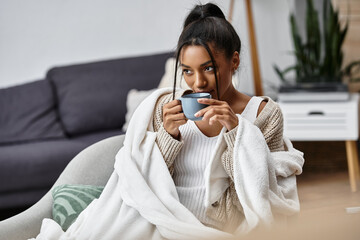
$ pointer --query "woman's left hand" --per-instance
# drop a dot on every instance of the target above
(218, 111)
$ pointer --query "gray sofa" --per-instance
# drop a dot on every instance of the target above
(45, 123)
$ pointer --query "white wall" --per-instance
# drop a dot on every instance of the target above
(38, 34)
(273, 38)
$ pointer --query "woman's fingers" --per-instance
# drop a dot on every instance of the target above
(210, 101)
(226, 120)
(173, 107)
(173, 118)
(229, 121)
(173, 103)
(218, 111)
(208, 112)
(176, 117)
(214, 109)
(180, 122)
(172, 111)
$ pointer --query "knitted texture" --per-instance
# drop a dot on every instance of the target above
(271, 123)
(226, 157)
(228, 209)
(169, 147)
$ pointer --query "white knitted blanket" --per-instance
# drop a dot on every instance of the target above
(140, 199)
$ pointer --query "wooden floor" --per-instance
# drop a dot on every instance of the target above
(329, 211)
(326, 193)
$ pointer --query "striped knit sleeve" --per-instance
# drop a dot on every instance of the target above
(271, 123)
(227, 156)
(169, 146)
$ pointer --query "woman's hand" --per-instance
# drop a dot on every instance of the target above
(218, 111)
(173, 118)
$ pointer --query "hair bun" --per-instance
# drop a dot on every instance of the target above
(203, 11)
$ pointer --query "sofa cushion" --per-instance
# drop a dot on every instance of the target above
(21, 199)
(92, 96)
(70, 200)
(35, 165)
(134, 98)
(27, 112)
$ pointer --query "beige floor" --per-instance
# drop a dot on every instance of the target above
(329, 209)
(326, 193)
(325, 199)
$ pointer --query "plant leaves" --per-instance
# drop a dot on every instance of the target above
(319, 58)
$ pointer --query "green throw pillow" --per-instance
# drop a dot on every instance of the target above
(71, 200)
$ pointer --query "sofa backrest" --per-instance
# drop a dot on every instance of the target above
(27, 112)
(92, 96)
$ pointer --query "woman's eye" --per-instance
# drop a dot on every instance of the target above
(209, 68)
(186, 71)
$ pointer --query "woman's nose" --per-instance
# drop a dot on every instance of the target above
(200, 81)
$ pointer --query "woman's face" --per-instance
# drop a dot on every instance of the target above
(198, 70)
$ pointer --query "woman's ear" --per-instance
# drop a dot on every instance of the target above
(235, 60)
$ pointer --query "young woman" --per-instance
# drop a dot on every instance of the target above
(231, 172)
(208, 54)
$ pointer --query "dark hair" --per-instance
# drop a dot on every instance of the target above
(206, 24)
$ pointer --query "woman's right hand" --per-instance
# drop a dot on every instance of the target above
(173, 118)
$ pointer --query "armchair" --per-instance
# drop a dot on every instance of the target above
(92, 166)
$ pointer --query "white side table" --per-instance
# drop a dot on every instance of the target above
(326, 121)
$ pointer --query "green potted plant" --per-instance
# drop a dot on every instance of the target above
(319, 58)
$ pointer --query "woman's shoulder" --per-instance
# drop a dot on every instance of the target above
(268, 105)
(270, 112)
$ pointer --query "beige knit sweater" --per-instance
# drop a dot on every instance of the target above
(228, 209)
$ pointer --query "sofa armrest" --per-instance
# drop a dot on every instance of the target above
(92, 166)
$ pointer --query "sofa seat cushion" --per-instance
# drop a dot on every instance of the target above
(35, 165)
(92, 96)
(20, 199)
(27, 112)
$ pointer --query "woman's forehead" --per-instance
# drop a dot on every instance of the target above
(198, 53)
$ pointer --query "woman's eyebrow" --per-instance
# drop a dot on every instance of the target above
(183, 65)
(201, 65)
(205, 63)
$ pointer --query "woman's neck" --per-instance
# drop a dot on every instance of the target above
(236, 100)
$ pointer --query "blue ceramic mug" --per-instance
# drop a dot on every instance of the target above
(191, 106)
